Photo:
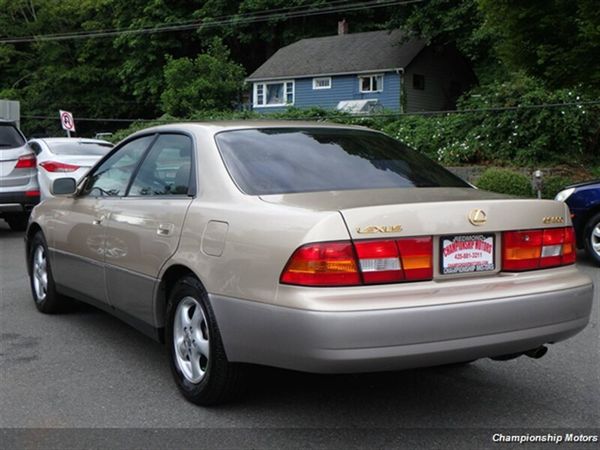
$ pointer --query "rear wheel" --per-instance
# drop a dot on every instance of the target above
(591, 235)
(47, 300)
(196, 354)
(17, 222)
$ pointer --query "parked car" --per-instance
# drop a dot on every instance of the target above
(584, 202)
(57, 156)
(314, 247)
(19, 191)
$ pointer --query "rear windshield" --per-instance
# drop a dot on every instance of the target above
(79, 148)
(10, 137)
(278, 161)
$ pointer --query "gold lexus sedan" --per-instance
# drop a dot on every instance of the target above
(320, 248)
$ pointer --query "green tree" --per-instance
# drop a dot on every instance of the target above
(557, 41)
(210, 81)
(79, 75)
(459, 23)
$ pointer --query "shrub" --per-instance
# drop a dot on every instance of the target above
(505, 181)
(554, 184)
(527, 136)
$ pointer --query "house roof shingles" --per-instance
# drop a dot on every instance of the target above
(347, 53)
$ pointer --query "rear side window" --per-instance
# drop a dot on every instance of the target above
(166, 169)
(277, 161)
(79, 148)
(10, 137)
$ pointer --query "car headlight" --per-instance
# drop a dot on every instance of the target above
(564, 194)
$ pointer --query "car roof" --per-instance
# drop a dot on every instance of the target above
(218, 126)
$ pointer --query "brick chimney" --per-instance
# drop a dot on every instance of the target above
(342, 27)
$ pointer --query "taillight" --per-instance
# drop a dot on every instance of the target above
(54, 166)
(322, 264)
(364, 262)
(379, 261)
(26, 161)
(535, 249)
(417, 258)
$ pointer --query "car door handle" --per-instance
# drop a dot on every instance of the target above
(165, 229)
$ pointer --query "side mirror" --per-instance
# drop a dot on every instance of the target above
(64, 186)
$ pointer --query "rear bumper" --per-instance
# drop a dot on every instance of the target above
(17, 202)
(389, 339)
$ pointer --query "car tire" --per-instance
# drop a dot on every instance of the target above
(195, 349)
(43, 288)
(17, 222)
(591, 235)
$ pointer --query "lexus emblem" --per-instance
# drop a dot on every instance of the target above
(478, 217)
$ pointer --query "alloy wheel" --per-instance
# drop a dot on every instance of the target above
(39, 271)
(191, 340)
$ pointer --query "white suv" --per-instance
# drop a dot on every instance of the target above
(19, 190)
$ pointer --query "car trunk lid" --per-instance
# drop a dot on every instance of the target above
(464, 227)
(9, 176)
(428, 211)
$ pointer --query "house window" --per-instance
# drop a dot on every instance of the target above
(322, 83)
(418, 81)
(280, 93)
(370, 83)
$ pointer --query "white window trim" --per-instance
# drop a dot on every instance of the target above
(317, 87)
(273, 105)
(360, 77)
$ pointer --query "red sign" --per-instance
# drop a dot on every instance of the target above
(67, 121)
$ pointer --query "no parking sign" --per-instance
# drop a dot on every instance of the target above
(67, 121)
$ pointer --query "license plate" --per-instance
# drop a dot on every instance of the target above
(467, 253)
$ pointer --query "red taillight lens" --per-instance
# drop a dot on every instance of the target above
(379, 261)
(522, 249)
(322, 264)
(417, 258)
(26, 162)
(35, 193)
(54, 166)
(534, 249)
(569, 254)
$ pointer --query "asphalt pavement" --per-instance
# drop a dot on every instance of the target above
(87, 370)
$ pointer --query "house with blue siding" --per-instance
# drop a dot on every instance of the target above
(377, 70)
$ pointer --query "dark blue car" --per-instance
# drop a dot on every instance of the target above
(584, 201)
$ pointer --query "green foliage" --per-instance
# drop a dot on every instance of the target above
(526, 137)
(210, 81)
(505, 181)
(456, 22)
(554, 184)
(77, 75)
(524, 53)
(557, 41)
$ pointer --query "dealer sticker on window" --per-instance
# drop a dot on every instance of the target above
(466, 254)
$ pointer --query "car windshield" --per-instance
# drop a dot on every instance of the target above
(80, 148)
(10, 137)
(286, 160)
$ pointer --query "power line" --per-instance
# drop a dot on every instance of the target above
(239, 19)
(357, 116)
(195, 22)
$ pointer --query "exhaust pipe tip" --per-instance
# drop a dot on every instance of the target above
(537, 353)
